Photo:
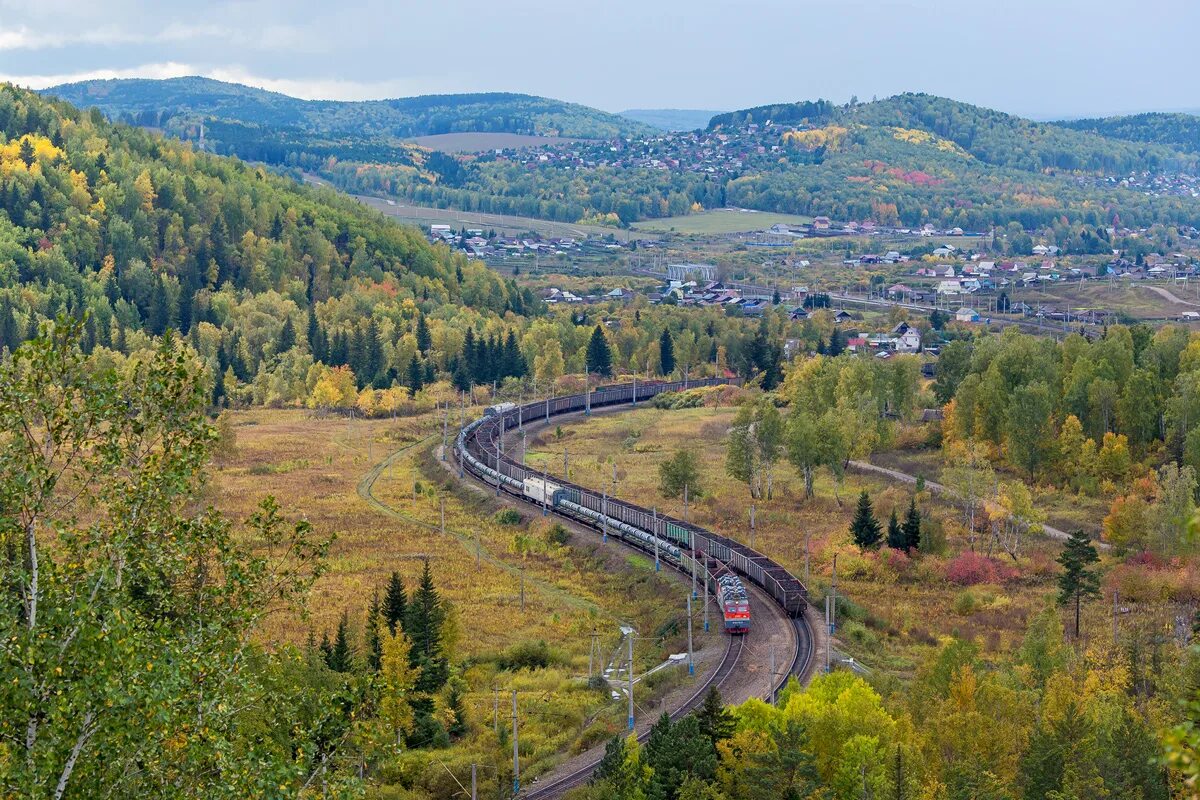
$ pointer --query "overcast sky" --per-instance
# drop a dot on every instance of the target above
(1040, 58)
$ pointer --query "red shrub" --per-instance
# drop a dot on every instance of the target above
(968, 569)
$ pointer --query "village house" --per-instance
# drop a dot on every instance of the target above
(968, 315)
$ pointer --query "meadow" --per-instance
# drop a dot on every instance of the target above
(720, 221)
(379, 485)
(896, 611)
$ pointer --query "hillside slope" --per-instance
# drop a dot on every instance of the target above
(1175, 130)
(175, 102)
(265, 276)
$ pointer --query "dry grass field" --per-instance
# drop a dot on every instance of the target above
(357, 479)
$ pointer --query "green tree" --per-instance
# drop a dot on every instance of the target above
(340, 658)
(599, 354)
(666, 353)
(395, 603)
(423, 625)
(373, 644)
(1078, 579)
(787, 769)
(715, 720)
(864, 528)
(954, 362)
(912, 526)
(125, 596)
(1030, 434)
(424, 340)
(895, 534)
(678, 471)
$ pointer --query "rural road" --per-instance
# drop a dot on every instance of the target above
(1167, 294)
(904, 477)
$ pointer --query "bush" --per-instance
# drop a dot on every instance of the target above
(529, 655)
(969, 569)
(508, 516)
(966, 604)
(933, 537)
(557, 534)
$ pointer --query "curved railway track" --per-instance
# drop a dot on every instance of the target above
(479, 450)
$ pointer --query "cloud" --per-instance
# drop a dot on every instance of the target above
(271, 37)
(307, 89)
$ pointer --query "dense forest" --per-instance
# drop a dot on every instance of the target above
(1177, 130)
(179, 104)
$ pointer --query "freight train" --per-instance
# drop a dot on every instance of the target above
(478, 451)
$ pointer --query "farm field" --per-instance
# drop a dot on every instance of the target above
(1140, 300)
(475, 142)
(719, 221)
(320, 469)
(892, 636)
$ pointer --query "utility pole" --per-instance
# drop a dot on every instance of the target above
(547, 408)
(654, 535)
(771, 677)
(477, 547)
(604, 514)
(705, 576)
(496, 709)
(591, 655)
(685, 502)
(474, 792)
(566, 465)
(806, 537)
(445, 426)
(635, 389)
(516, 751)
(587, 391)
(522, 588)
(629, 637)
(691, 662)
(833, 595)
(442, 501)
(545, 509)
(752, 526)
(692, 541)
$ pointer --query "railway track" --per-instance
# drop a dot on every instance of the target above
(771, 583)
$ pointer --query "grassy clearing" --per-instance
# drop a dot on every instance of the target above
(317, 469)
(896, 615)
(720, 221)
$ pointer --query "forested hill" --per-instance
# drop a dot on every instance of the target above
(177, 102)
(1176, 130)
(990, 136)
(146, 235)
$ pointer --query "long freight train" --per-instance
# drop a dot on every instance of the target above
(479, 450)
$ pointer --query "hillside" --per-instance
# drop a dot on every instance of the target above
(671, 119)
(1175, 130)
(265, 276)
(177, 103)
(903, 161)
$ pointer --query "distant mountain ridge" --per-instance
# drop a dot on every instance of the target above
(672, 119)
(177, 102)
(1180, 129)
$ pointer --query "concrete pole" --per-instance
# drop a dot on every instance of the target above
(706, 599)
(833, 596)
(692, 539)
(604, 513)
(752, 526)
(547, 408)
(691, 662)
(630, 640)
(522, 588)
(685, 502)
(566, 465)
(654, 535)
(806, 537)
(442, 501)
(445, 426)
(516, 750)
(635, 390)
(587, 391)
(474, 784)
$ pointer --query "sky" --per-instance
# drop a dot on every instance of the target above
(1038, 58)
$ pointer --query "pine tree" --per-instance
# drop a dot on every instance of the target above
(287, 336)
(374, 645)
(895, 534)
(666, 353)
(1077, 580)
(326, 649)
(424, 628)
(716, 722)
(470, 366)
(316, 340)
(458, 714)
(159, 313)
(424, 340)
(395, 604)
(912, 526)
(340, 659)
(865, 528)
(599, 355)
(414, 376)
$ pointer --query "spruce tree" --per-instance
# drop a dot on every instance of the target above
(424, 340)
(340, 659)
(1077, 580)
(374, 645)
(895, 534)
(865, 528)
(716, 722)
(424, 628)
(599, 355)
(414, 375)
(287, 336)
(395, 604)
(912, 526)
(666, 353)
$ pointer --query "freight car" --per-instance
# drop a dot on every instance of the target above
(478, 451)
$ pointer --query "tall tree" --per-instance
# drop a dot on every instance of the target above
(912, 526)
(341, 659)
(864, 528)
(666, 353)
(599, 354)
(395, 603)
(1078, 579)
(424, 628)
(895, 534)
(424, 340)
(679, 471)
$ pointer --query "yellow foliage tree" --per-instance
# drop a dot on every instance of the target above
(145, 189)
(397, 679)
